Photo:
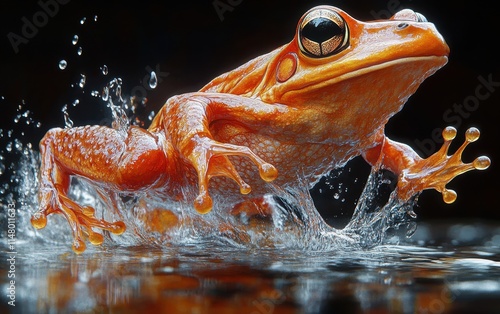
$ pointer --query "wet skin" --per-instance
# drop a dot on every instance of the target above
(303, 109)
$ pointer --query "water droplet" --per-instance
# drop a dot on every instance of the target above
(8, 147)
(82, 21)
(18, 145)
(95, 18)
(151, 116)
(63, 64)
(336, 196)
(76, 102)
(38, 124)
(79, 51)
(104, 70)
(83, 79)
(118, 92)
(153, 80)
(105, 93)
(68, 123)
(94, 93)
(75, 40)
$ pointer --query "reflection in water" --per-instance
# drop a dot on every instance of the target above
(208, 278)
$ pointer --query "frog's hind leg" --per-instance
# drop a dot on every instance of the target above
(99, 154)
(54, 183)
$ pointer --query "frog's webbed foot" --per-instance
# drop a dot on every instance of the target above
(440, 168)
(210, 159)
(80, 218)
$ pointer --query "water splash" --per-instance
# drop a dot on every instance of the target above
(371, 221)
(125, 110)
(294, 222)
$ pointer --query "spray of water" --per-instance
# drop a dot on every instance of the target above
(294, 221)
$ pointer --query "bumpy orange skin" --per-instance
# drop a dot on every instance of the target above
(282, 114)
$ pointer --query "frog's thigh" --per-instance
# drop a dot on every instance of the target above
(143, 161)
(103, 154)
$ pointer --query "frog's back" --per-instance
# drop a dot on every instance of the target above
(244, 80)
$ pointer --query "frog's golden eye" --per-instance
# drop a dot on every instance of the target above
(322, 32)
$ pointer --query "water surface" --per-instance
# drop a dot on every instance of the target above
(443, 268)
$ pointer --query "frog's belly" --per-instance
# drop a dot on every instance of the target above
(306, 160)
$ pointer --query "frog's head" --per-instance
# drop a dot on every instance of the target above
(354, 69)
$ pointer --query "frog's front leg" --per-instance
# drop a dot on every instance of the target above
(187, 118)
(416, 174)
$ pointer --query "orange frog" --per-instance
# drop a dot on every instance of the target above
(300, 110)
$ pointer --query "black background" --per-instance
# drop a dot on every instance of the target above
(193, 44)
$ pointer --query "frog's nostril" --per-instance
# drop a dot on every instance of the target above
(402, 25)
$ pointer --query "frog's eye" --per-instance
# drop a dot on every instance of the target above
(322, 32)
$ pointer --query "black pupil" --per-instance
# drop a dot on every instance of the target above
(321, 29)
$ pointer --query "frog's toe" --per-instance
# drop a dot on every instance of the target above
(203, 203)
(266, 171)
(82, 220)
(215, 162)
(39, 220)
(218, 166)
(441, 168)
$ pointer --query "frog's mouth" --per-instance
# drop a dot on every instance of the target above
(418, 69)
(430, 64)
